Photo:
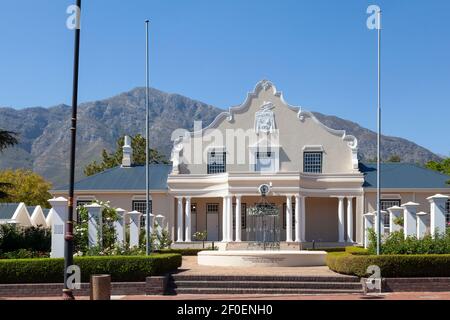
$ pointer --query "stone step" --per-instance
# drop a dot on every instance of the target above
(340, 279)
(279, 291)
(268, 284)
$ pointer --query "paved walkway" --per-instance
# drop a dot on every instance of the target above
(190, 267)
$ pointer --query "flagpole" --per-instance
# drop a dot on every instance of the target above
(147, 144)
(379, 139)
(68, 237)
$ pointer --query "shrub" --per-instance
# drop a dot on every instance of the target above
(356, 251)
(391, 265)
(395, 243)
(121, 269)
(14, 238)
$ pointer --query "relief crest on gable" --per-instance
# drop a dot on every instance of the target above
(265, 119)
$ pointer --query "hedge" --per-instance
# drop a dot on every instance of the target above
(121, 268)
(392, 266)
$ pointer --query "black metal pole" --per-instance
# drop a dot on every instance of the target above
(68, 237)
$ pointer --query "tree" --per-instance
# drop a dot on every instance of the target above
(111, 160)
(7, 139)
(25, 186)
(394, 158)
(442, 167)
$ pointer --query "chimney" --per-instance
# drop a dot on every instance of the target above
(127, 152)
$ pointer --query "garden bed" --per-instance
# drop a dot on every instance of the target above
(121, 268)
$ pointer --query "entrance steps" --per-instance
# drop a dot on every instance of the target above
(295, 246)
(216, 284)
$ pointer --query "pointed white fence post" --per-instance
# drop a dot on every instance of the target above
(135, 228)
(369, 219)
(421, 224)
(410, 219)
(119, 226)
(59, 216)
(394, 213)
(437, 214)
(95, 224)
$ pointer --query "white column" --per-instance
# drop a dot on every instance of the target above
(180, 220)
(421, 224)
(135, 228)
(289, 218)
(394, 213)
(410, 220)
(341, 217)
(230, 217)
(302, 216)
(95, 225)
(187, 233)
(59, 218)
(119, 226)
(350, 219)
(368, 224)
(437, 213)
(299, 222)
(238, 218)
(224, 220)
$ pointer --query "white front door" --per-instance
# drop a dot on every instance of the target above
(212, 222)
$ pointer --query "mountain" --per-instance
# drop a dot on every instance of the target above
(45, 138)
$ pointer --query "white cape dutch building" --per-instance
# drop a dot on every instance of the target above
(316, 180)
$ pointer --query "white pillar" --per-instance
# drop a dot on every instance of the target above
(368, 224)
(230, 217)
(382, 217)
(180, 220)
(119, 226)
(438, 213)
(299, 222)
(350, 219)
(224, 220)
(410, 220)
(302, 216)
(95, 235)
(135, 228)
(238, 219)
(421, 224)
(341, 215)
(394, 213)
(187, 233)
(289, 219)
(59, 218)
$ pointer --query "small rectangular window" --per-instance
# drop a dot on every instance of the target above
(312, 162)
(216, 162)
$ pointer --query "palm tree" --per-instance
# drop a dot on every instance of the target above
(7, 139)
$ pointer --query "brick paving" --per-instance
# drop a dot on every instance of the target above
(384, 296)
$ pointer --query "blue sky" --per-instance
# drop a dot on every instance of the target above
(319, 53)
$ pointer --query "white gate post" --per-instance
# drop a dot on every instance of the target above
(119, 226)
(135, 228)
(437, 214)
(421, 224)
(59, 218)
(410, 219)
(95, 224)
(368, 224)
(394, 213)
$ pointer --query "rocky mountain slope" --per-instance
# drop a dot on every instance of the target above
(45, 139)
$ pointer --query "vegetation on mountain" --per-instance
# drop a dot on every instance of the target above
(114, 159)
